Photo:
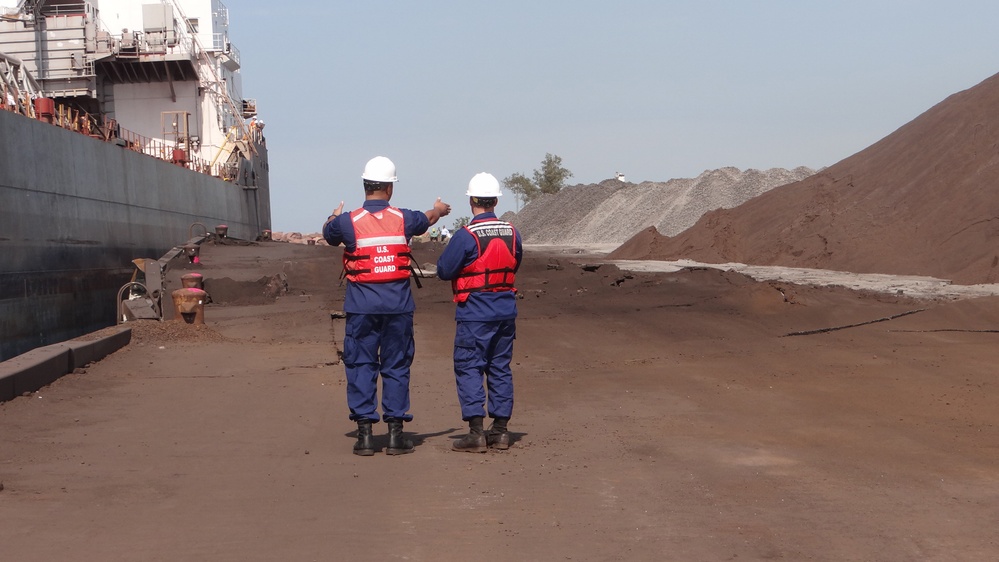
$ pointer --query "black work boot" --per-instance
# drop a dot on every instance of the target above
(475, 441)
(498, 437)
(398, 444)
(365, 445)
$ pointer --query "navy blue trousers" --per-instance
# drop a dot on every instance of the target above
(484, 349)
(378, 344)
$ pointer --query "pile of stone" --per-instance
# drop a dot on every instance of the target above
(612, 211)
(299, 238)
(317, 239)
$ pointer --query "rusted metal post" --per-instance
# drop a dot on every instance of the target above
(192, 281)
(45, 110)
(192, 252)
(189, 305)
(221, 231)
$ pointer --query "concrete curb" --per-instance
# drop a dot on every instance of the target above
(33, 370)
(83, 353)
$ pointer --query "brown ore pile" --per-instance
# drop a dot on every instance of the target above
(922, 201)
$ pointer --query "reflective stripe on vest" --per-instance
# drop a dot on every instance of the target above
(494, 269)
(381, 253)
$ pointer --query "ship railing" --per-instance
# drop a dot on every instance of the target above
(108, 130)
(65, 8)
(17, 86)
(11, 100)
(134, 45)
(233, 53)
(163, 150)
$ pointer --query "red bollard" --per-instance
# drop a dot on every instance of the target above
(45, 109)
(192, 251)
(192, 281)
(189, 305)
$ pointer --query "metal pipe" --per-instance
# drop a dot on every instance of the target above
(118, 319)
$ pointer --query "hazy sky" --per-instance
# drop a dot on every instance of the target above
(653, 89)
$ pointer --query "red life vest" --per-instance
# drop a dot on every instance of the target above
(494, 270)
(382, 252)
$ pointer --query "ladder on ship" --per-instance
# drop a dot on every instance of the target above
(229, 145)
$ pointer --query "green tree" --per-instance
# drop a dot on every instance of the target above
(460, 222)
(520, 185)
(550, 178)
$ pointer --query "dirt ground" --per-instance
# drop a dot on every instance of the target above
(659, 416)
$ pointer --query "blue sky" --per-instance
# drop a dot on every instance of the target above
(653, 89)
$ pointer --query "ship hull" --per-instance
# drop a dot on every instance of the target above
(75, 211)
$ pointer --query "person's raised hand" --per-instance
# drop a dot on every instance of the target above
(442, 208)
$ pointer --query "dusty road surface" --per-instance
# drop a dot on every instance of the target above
(659, 416)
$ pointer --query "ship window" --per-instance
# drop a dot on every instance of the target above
(192, 25)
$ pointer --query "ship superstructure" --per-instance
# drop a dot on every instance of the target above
(163, 76)
(122, 127)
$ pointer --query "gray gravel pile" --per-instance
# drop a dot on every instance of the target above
(613, 211)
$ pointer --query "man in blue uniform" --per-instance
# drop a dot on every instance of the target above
(379, 303)
(481, 261)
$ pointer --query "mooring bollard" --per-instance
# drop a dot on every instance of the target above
(189, 305)
(311, 242)
(265, 235)
(192, 251)
(221, 231)
(192, 281)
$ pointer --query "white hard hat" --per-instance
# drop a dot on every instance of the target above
(483, 185)
(380, 169)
